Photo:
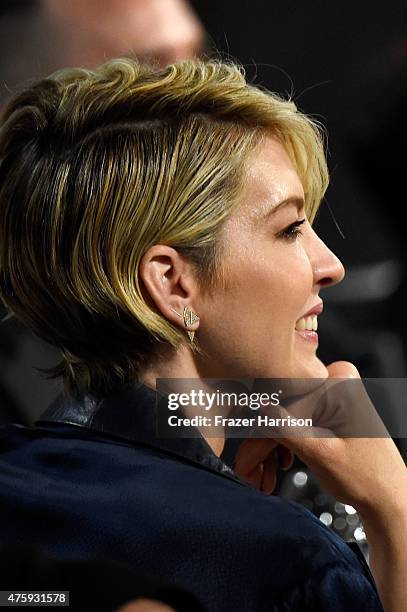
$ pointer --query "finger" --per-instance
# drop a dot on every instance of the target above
(285, 457)
(255, 476)
(270, 467)
(342, 369)
(252, 452)
(300, 440)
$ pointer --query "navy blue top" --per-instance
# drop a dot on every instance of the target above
(91, 480)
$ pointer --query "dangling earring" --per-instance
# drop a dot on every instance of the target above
(189, 317)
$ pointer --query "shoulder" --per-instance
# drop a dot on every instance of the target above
(332, 588)
(315, 568)
(265, 547)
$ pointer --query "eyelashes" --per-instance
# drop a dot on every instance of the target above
(292, 231)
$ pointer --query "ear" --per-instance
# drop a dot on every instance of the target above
(169, 281)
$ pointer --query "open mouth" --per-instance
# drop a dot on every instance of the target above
(309, 323)
(306, 328)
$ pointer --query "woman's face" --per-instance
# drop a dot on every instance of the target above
(273, 276)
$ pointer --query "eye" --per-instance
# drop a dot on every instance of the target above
(291, 232)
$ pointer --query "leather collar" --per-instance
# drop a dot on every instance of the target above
(131, 414)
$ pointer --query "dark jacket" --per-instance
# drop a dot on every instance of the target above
(92, 584)
(92, 481)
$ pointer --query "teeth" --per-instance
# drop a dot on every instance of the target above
(300, 325)
(310, 323)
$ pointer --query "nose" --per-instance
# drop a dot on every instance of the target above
(327, 268)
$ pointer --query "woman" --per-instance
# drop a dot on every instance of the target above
(158, 225)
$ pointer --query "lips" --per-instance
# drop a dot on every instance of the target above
(307, 325)
(308, 336)
(315, 310)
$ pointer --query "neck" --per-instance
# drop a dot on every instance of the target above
(179, 365)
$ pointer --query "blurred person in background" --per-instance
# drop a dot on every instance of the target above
(158, 31)
(40, 36)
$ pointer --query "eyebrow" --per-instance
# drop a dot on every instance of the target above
(298, 202)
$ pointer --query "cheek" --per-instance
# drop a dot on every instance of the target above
(267, 290)
(250, 326)
(283, 285)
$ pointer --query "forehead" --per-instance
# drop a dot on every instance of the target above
(270, 177)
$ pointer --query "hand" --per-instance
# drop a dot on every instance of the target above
(367, 473)
(258, 460)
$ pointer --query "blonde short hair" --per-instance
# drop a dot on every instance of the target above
(98, 165)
